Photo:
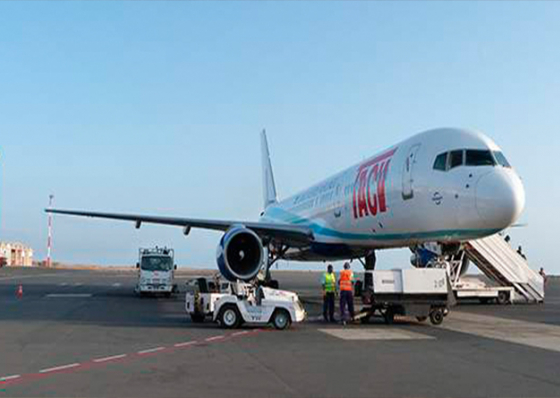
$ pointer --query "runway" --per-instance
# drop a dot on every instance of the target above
(84, 333)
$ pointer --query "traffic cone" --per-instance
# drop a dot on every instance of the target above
(19, 292)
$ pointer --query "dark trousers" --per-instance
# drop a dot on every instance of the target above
(346, 300)
(328, 306)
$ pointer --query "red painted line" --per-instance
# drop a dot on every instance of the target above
(98, 362)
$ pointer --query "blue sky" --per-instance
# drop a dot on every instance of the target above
(156, 108)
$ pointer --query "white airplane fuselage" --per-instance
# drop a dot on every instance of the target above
(400, 198)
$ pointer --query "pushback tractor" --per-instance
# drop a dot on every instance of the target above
(234, 304)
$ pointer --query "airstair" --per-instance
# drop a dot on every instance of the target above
(501, 263)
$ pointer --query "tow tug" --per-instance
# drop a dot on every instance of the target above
(234, 304)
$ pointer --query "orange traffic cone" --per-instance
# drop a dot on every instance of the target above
(19, 292)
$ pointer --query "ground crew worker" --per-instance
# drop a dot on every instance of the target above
(520, 252)
(346, 284)
(329, 291)
(543, 274)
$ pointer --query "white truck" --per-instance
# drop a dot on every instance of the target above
(419, 293)
(156, 271)
(234, 304)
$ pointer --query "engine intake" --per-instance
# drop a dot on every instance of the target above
(240, 254)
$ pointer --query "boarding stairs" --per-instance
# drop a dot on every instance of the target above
(501, 263)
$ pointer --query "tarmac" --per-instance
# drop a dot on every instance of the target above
(84, 333)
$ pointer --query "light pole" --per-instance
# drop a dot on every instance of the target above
(49, 239)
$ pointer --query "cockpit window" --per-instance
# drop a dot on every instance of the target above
(480, 158)
(455, 159)
(441, 162)
(501, 159)
(469, 157)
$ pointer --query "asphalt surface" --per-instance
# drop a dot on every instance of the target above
(84, 333)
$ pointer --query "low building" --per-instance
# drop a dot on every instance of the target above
(15, 254)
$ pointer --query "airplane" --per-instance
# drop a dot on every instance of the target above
(443, 186)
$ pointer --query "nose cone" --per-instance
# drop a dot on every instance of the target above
(500, 198)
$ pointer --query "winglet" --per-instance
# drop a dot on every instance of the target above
(269, 188)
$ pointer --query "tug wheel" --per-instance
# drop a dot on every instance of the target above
(229, 317)
(197, 317)
(281, 319)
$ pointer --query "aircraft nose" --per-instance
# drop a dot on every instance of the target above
(500, 198)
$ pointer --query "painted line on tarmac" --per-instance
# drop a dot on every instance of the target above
(375, 334)
(68, 295)
(111, 358)
(116, 359)
(58, 368)
(532, 334)
(7, 378)
(215, 338)
(150, 350)
(9, 278)
(185, 344)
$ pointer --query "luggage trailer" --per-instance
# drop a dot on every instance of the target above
(419, 293)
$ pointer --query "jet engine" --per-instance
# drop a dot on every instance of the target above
(240, 254)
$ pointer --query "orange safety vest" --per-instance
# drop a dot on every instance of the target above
(346, 280)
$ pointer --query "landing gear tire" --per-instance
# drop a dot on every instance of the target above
(436, 317)
(389, 317)
(229, 317)
(503, 298)
(197, 317)
(281, 319)
(421, 318)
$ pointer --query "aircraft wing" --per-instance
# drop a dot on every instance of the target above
(292, 235)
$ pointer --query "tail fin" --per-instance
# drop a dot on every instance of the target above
(269, 188)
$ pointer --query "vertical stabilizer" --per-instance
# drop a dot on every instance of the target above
(269, 188)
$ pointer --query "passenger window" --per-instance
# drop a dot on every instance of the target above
(501, 159)
(440, 162)
(480, 158)
(455, 159)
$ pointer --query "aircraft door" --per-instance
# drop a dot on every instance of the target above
(408, 175)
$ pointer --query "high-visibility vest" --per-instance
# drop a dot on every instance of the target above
(346, 277)
(329, 282)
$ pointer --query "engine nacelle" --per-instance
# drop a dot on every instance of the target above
(240, 254)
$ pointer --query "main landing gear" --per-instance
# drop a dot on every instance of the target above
(272, 255)
(365, 287)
